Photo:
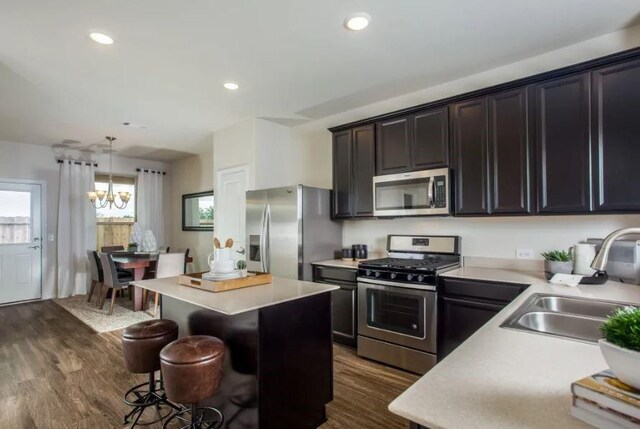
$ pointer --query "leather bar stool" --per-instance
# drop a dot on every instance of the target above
(141, 344)
(192, 370)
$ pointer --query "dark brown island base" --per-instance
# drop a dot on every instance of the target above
(278, 367)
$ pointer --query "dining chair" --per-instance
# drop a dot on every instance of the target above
(112, 280)
(111, 249)
(96, 274)
(186, 256)
(168, 265)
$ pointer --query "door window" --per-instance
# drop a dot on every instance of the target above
(15, 217)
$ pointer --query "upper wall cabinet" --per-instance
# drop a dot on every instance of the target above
(616, 137)
(492, 155)
(469, 134)
(342, 174)
(393, 153)
(415, 142)
(353, 171)
(510, 152)
(563, 151)
(430, 139)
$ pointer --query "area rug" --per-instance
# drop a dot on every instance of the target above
(100, 320)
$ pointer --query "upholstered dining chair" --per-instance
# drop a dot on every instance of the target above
(186, 256)
(111, 279)
(168, 265)
(96, 274)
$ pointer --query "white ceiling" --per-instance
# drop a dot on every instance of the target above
(293, 59)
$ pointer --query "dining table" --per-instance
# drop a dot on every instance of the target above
(141, 265)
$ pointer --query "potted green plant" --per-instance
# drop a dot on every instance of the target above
(132, 247)
(557, 261)
(621, 345)
(241, 265)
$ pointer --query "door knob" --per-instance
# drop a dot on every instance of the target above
(34, 247)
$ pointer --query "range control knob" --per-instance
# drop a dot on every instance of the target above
(409, 277)
(393, 276)
(367, 273)
(377, 274)
(420, 278)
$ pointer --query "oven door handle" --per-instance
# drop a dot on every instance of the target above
(385, 283)
(477, 304)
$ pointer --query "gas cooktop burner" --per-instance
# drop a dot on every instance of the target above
(428, 263)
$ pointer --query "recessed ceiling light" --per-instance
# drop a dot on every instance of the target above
(231, 85)
(101, 38)
(357, 21)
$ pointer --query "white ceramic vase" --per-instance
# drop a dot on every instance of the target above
(624, 363)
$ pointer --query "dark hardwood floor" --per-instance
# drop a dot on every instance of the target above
(57, 373)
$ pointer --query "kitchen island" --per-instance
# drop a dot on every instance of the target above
(278, 368)
(503, 378)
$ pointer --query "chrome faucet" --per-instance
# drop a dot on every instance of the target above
(600, 261)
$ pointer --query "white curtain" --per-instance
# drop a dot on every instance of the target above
(76, 227)
(150, 203)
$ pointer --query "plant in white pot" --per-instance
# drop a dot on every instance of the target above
(621, 345)
(557, 261)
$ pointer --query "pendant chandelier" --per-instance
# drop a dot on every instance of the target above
(101, 199)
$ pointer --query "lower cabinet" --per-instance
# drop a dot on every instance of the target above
(343, 301)
(466, 305)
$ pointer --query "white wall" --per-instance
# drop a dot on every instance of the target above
(233, 146)
(189, 175)
(495, 237)
(35, 162)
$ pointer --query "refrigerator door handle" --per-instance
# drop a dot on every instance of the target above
(263, 228)
(267, 240)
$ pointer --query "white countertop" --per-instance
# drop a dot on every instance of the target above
(338, 263)
(238, 300)
(503, 378)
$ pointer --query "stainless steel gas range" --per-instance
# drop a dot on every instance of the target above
(397, 300)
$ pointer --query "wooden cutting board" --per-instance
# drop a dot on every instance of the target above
(195, 280)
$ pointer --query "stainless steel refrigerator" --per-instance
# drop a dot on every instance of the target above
(288, 228)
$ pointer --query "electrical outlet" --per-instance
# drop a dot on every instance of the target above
(524, 254)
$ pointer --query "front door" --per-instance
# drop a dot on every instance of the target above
(20, 242)
(230, 196)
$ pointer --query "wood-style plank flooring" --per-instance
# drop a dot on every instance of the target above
(57, 373)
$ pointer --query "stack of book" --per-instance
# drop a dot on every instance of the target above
(603, 401)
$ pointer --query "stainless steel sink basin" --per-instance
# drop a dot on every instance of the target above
(562, 316)
(562, 304)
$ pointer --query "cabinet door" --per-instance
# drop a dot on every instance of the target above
(392, 146)
(563, 152)
(616, 137)
(469, 128)
(364, 169)
(344, 316)
(509, 152)
(430, 139)
(342, 173)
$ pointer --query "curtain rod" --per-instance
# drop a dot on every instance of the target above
(60, 161)
(151, 171)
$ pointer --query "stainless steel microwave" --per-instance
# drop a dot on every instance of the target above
(418, 193)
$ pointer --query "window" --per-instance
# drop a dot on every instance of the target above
(15, 217)
(113, 224)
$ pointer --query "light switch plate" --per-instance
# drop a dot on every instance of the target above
(524, 254)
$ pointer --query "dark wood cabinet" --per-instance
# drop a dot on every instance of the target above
(430, 139)
(563, 142)
(563, 151)
(342, 174)
(393, 153)
(343, 302)
(469, 139)
(616, 137)
(353, 171)
(509, 152)
(364, 157)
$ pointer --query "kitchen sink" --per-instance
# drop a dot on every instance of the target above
(562, 316)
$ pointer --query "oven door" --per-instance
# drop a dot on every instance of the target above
(418, 193)
(398, 314)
